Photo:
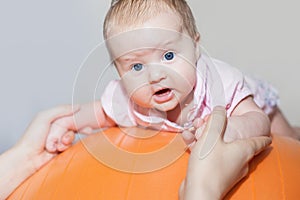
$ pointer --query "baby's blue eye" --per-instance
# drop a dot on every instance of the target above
(137, 67)
(169, 55)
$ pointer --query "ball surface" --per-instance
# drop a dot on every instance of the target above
(78, 174)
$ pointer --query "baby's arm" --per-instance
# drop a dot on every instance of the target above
(247, 120)
(90, 117)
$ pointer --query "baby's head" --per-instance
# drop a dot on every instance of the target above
(125, 15)
(154, 46)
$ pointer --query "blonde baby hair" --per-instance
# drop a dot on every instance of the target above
(130, 13)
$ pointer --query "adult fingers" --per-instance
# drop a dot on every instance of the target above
(38, 129)
(50, 115)
(43, 119)
(254, 145)
(199, 131)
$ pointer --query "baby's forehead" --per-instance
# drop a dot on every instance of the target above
(147, 38)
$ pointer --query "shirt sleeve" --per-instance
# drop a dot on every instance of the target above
(235, 87)
(117, 105)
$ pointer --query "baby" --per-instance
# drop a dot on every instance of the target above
(166, 81)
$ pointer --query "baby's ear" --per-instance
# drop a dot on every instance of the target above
(197, 38)
(197, 45)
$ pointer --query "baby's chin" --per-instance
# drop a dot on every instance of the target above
(162, 107)
(166, 106)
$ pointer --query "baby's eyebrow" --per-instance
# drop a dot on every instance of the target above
(124, 59)
(167, 43)
(127, 61)
(135, 55)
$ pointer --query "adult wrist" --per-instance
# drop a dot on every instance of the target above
(199, 189)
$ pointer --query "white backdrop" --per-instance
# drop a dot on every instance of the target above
(43, 43)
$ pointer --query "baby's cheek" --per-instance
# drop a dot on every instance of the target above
(189, 78)
(142, 99)
(132, 81)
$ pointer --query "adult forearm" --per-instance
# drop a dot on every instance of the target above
(14, 169)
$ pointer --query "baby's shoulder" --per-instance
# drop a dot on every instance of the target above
(225, 71)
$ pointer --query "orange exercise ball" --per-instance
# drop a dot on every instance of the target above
(93, 169)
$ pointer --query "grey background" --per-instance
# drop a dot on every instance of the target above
(43, 43)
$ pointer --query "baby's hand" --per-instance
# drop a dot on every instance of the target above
(61, 135)
(191, 135)
(63, 129)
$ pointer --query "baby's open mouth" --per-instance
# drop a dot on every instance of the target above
(162, 92)
(163, 95)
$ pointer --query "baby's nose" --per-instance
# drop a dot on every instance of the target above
(156, 74)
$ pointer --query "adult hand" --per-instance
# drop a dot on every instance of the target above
(29, 154)
(215, 166)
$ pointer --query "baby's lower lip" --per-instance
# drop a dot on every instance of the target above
(163, 96)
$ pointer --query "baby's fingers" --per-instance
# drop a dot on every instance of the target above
(198, 122)
(68, 138)
(51, 145)
(191, 135)
(188, 137)
(66, 141)
(54, 138)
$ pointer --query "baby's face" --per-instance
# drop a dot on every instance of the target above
(156, 63)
